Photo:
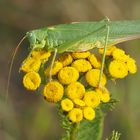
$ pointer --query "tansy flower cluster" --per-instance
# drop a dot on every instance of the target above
(67, 89)
(75, 79)
(31, 66)
(120, 63)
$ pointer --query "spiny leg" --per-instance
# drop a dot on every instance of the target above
(52, 63)
(104, 53)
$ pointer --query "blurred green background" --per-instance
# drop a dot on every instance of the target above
(27, 116)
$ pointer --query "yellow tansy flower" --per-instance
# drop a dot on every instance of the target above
(67, 104)
(57, 66)
(53, 91)
(66, 59)
(95, 62)
(75, 115)
(68, 75)
(131, 64)
(103, 94)
(41, 54)
(108, 51)
(89, 113)
(118, 69)
(75, 90)
(92, 78)
(78, 55)
(81, 65)
(79, 103)
(31, 64)
(31, 80)
(91, 99)
(119, 54)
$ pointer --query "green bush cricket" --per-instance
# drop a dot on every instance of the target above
(81, 36)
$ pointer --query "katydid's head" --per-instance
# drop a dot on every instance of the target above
(31, 37)
(37, 39)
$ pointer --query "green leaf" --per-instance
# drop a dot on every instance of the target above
(115, 136)
(66, 124)
(110, 105)
(91, 130)
(85, 130)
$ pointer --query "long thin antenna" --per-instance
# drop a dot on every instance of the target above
(11, 66)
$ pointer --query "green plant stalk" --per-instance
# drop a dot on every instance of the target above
(74, 132)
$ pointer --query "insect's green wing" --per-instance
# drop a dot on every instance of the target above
(84, 43)
(67, 33)
(119, 32)
(60, 36)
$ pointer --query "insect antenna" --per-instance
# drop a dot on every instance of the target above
(11, 66)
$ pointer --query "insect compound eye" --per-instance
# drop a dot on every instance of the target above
(31, 37)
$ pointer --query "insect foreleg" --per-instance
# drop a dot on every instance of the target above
(52, 63)
(104, 53)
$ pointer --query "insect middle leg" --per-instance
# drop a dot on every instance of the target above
(104, 53)
(52, 63)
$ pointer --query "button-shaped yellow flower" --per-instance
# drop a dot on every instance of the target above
(31, 64)
(79, 55)
(79, 103)
(75, 90)
(131, 64)
(43, 55)
(66, 59)
(118, 69)
(68, 75)
(89, 113)
(57, 66)
(75, 115)
(103, 94)
(53, 91)
(81, 65)
(95, 62)
(108, 51)
(67, 104)
(31, 80)
(119, 54)
(91, 99)
(92, 78)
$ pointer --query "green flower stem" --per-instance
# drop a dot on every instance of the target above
(74, 132)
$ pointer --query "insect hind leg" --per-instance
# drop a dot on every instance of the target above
(104, 53)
